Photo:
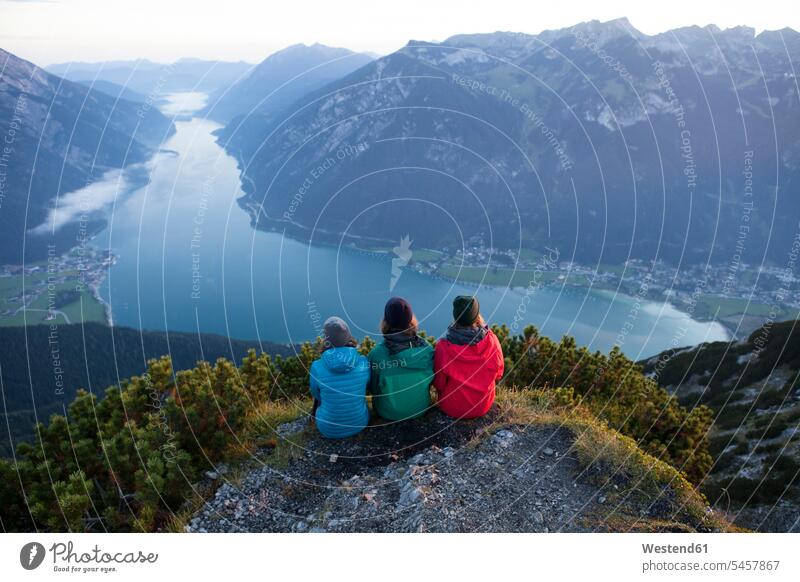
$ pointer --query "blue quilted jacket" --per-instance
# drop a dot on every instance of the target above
(339, 381)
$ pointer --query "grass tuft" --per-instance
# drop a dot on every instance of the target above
(608, 457)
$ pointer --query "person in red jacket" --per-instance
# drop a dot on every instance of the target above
(467, 362)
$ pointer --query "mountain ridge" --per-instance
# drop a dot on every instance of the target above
(61, 136)
(281, 78)
(148, 77)
(555, 97)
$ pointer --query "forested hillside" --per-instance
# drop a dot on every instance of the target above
(41, 370)
(752, 387)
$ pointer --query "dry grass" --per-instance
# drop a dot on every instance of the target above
(266, 417)
(178, 521)
(606, 455)
(288, 448)
(259, 432)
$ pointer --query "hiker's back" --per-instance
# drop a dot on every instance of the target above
(400, 383)
(340, 378)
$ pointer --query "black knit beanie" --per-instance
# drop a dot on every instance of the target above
(465, 310)
(398, 314)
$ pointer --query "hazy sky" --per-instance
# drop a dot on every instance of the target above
(48, 31)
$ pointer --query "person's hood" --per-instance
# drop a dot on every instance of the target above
(464, 336)
(416, 358)
(418, 355)
(340, 360)
(398, 342)
(472, 352)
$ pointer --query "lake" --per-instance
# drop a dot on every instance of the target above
(189, 260)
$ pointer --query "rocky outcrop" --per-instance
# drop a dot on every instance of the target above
(433, 475)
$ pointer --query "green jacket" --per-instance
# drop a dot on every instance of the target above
(400, 383)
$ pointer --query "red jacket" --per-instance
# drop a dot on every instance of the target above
(465, 375)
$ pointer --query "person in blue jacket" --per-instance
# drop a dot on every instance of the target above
(338, 383)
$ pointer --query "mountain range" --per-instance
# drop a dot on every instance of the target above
(116, 91)
(58, 137)
(597, 139)
(146, 77)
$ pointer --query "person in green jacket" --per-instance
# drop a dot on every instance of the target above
(401, 366)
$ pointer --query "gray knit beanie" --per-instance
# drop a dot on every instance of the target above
(337, 334)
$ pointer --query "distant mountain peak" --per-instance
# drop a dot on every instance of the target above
(283, 77)
(616, 24)
(600, 31)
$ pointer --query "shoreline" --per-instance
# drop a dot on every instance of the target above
(430, 266)
(730, 327)
(745, 322)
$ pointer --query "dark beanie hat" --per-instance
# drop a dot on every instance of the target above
(465, 310)
(398, 314)
(337, 334)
